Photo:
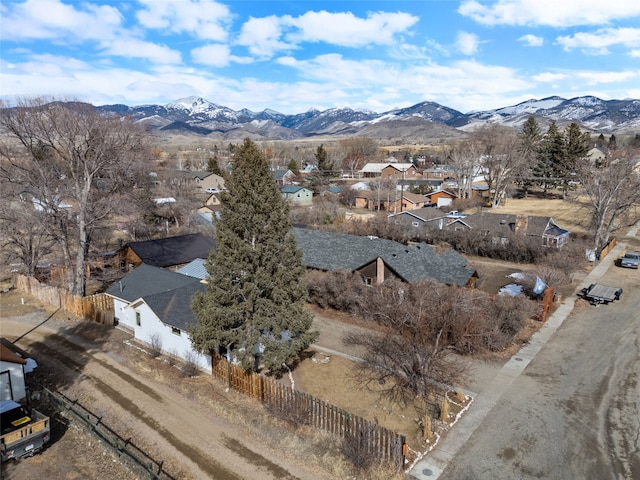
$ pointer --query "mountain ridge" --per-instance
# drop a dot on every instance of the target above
(199, 116)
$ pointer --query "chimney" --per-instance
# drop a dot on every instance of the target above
(522, 224)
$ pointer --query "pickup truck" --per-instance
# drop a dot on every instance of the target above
(630, 260)
(23, 431)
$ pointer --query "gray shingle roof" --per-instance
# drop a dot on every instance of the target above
(174, 307)
(147, 280)
(335, 251)
(176, 250)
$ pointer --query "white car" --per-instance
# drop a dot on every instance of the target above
(212, 190)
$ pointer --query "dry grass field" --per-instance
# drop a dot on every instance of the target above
(569, 214)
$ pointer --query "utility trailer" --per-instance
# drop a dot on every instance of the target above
(597, 293)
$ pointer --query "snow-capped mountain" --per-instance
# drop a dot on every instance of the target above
(199, 116)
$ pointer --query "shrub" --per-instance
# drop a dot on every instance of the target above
(190, 367)
(340, 290)
(155, 344)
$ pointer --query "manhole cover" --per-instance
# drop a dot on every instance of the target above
(518, 359)
(427, 472)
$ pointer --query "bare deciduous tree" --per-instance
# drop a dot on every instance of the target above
(613, 193)
(501, 159)
(356, 151)
(76, 164)
(426, 324)
(464, 158)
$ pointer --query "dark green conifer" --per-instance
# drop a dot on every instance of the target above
(253, 308)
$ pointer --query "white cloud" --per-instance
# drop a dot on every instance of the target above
(635, 53)
(52, 19)
(216, 55)
(601, 39)
(379, 28)
(467, 43)
(549, 12)
(267, 36)
(262, 36)
(596, 78)
(205, 19)
(531, 40)
(548, 77)
(135, 48)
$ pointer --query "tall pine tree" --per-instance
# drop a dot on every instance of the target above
(252, 309)
(551, 157)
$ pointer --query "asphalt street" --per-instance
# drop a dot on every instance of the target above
(567, 405)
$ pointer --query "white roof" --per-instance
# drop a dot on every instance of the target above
(378, 167)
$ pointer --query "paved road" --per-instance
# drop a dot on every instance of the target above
(565, 407)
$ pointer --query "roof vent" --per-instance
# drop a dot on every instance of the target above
(503, 221)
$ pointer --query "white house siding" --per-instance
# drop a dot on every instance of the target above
(172, 344)
(15, 373)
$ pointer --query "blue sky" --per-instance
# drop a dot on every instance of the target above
(294, 55)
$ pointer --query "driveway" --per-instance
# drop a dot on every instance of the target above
(565, 407)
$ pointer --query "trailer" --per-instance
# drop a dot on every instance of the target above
(597, 293)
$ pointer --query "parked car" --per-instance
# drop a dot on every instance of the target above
(630, 260)
(213, 190)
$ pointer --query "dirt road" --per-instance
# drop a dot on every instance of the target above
(165, 418)
(574, 412)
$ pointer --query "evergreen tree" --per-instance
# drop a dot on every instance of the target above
(576, 146)
(600, 141)
(253, 308)
(319, 180)
(550, 158)
(613, 144)
(530, 137)
(214, 167)
(293, 166)
(325, 165)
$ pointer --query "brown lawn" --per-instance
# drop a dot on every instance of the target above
(569, 214)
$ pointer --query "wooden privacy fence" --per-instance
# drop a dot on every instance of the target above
(608, 247)
(98, 307)
(386, 445)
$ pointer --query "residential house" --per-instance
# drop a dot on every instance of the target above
(441, 172)
(379, 259)
(284, 177)
(13, 367)
(170, 252)
(422, 219)
(412, 201)
(442, 198)
(597, 157)
(206, 182)
(297, 194)
(388, 201)
(155, 305)
(502, 227)
(389, 170)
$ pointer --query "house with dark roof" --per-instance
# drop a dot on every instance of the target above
(423, 218)
(502, 227)
(378, 259)
(283, 176)
(155, 305)
(170, 252)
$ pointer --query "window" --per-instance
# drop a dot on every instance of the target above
(138, 321)
(176, 331)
